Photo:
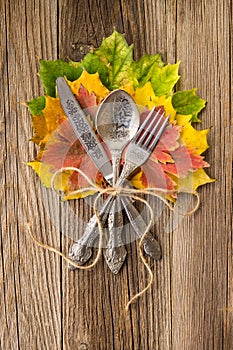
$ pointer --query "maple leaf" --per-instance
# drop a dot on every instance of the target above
(36, 105)
(92, 64)
(195, 139)
(45, 172)
(193, 180)
(187, 102)
(167, 143)
(92, 83)
(184, 161)
(145, 96)
(40, 129)
(87, 101)
(117, 56)
(64, 150)
(51, 70)
(166, 102)
(164, 79)
(153, 175)
(144, 68)
(53, 115)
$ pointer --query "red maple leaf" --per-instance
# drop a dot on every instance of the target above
(184, 161)
(87, 101)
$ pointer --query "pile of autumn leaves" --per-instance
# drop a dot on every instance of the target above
(176, 162)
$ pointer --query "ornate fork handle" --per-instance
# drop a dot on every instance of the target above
(127, 170)
(150, 245)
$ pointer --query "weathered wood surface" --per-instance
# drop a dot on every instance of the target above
(45, 306)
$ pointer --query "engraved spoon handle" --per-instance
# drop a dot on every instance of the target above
(116, 158)
(115, 252)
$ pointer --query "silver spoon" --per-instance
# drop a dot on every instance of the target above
(117, 121)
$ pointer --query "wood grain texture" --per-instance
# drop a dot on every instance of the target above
(43, 304)
(30, 277)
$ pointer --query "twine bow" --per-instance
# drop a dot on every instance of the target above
(114, 191)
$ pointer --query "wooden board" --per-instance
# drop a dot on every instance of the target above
(43, 304)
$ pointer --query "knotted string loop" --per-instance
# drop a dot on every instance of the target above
(115, 191)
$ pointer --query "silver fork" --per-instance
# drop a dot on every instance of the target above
(138, 152)
(142, 145)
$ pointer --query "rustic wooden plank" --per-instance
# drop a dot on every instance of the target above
(201, 245)
(8, 315)
(43, 304)
(30, 283)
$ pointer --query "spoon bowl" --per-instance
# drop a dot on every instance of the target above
(117, 121)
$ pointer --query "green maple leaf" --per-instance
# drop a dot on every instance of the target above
(117, 56)
(51, 70)
(164, 79)
(187, 102)
(36, 105)
(93, 64)
(144, 68)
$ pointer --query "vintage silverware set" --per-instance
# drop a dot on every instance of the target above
(117, 123)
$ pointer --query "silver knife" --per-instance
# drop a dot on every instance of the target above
(83, 130)
(88, 139)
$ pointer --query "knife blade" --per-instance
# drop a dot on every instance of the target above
(83, 129)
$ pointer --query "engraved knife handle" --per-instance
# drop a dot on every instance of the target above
(81, 251)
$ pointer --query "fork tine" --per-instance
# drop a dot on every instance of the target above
(144, 123)
(146, 131)
(152, 133)
(157, 136)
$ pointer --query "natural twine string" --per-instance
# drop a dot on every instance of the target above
(113, 191)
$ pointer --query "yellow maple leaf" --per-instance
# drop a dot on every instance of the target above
(145, 96)
(129, 88)
(137, 180)
(92, 83)
(194, 139)
(53, 115)
(61, 183)
(166, 102)
(45, 172)
(77, 195)
(40, 129)
(194, 180)
(183, 119)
